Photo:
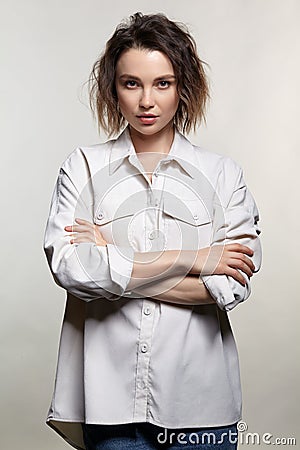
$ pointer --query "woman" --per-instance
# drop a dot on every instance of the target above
(154, 240)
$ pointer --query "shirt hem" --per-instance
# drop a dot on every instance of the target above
(50, 421)
(152, 421)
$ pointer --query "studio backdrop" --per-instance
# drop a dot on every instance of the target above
(47, 51)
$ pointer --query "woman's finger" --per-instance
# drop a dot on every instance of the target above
(88, 237)
(242, 260)
(238, 263)
(236, 275)
(83, 221)
(81, 238)
(236, 247)
(83, 226)
(78, 227)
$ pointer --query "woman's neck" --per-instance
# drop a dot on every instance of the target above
(160, 142)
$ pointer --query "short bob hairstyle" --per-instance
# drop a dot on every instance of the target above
(150, 32)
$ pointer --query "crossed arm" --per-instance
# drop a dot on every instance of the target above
(185, 290)
(174, 275)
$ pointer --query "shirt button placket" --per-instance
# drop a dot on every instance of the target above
(142, 393)
(143, 361)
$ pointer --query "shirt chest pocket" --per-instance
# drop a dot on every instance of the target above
(115, 221)
(188, 224)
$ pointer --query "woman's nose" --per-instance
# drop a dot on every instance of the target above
(147, 99)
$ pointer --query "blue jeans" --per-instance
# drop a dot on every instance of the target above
(146, 436)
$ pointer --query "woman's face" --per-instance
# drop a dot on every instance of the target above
(146, 89)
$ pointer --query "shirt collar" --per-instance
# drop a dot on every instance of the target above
(181, 151)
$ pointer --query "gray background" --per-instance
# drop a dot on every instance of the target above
(48, 49)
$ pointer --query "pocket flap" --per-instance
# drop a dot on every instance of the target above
(108, 212)
(190, 211)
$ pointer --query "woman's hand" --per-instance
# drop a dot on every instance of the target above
(85, 232)
(224, 260)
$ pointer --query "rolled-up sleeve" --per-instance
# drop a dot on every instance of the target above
(85, 270)
(236, 221)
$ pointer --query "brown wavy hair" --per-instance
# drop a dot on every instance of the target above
(150, 32)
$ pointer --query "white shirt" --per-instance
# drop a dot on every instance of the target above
(123, 357)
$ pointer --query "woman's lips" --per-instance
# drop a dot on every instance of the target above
(147, 119)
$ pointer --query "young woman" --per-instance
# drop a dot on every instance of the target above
(154, 240)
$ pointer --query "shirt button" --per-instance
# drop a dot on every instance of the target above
(156, 203)
(147, 311)
(155, 174)
(153, 234)
(142, 385)
(195, 216)
(144, 348)
(100, 215)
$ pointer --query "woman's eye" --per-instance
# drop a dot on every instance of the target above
(164, 83)
(130, 83)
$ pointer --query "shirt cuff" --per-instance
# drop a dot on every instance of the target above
(121, 264)
(219, 288)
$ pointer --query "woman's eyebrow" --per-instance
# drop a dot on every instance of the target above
(161, 77)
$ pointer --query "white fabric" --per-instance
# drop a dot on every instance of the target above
(122, 357)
